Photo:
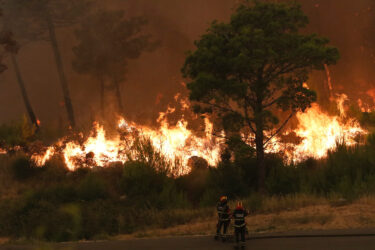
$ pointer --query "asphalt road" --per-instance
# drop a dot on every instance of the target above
(270, 242)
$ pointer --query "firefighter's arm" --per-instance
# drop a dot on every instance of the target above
(230, 214)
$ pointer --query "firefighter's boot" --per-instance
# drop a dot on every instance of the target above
(243, 245)
(224, 238)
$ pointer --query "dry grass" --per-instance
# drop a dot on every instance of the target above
(3, 240)
(197, 228)
(318, 214)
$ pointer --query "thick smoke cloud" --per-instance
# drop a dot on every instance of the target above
(154, 78)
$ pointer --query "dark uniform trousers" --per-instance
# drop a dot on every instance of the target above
(224, 218)
(240, 225)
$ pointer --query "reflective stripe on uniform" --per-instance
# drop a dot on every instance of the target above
(224, 219)
(242, 225)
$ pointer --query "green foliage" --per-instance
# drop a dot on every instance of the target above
(258, 51)
(246, 69)
(124, 199)
(228, 179)
(18, 133)
(92, 188)
(148, 187)
(282, 180)
(100, 217)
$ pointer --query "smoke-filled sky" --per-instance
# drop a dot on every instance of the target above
(153, 79)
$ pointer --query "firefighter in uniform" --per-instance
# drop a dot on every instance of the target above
(223, 213)
(239, 215)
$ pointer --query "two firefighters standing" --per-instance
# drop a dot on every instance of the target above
(224, 217)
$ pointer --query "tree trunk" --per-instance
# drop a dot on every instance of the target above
(101, 80)
(60, 69)
(118, 95)
(259, 142)
(25, 97)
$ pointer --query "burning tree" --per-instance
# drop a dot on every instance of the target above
(107, 40)
(251, 69)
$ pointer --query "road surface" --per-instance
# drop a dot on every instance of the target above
(322, 241)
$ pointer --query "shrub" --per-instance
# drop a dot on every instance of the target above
(282, 180)
(227, 179)
(148, 187)
(194, 184)
(92, 188)
(22, 168)
(100, 217)
(18, 133)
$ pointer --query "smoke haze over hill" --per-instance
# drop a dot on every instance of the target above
(153, 79)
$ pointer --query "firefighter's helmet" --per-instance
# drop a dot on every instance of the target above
(223, 199)
(239, 205)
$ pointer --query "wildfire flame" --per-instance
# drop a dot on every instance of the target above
(321, 132)
(40, 160)
(175, 143)
(318, 133)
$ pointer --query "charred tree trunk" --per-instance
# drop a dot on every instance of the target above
(25, 97)
(60, 69)
(116, 84)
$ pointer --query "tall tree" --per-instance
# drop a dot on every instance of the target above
(45, 16)
(107, 41)
(20, 30)
(248, 69)
(8, 44)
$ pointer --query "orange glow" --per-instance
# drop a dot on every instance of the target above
(318, 131)
(321, 132)
(40, 160)
(176, 143)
